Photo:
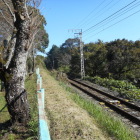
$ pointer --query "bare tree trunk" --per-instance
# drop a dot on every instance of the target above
(16, 95)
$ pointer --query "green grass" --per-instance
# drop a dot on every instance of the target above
(31, 131)
(4, 115)
(4, 118)
(108, 123)
(30, 85)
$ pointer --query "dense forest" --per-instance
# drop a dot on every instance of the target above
(118, 59)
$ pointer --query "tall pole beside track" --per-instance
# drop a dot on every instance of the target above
(82, 56)
(81, 51)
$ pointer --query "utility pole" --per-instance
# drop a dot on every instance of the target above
(81, 53)
(82, 56)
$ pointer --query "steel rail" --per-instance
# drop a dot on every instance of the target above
(131, 105)
(124, 113)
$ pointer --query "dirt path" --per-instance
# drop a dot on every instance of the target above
(67, 121)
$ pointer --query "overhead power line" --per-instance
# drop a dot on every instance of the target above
(100, 13)
(109, 16)
(90, 13)
(115, 23)
(97, 14)
(115, 17)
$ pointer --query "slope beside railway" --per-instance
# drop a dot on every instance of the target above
(66, 119)
(69, 120)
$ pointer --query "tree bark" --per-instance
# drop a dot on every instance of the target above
(16, 95)
(15, 71)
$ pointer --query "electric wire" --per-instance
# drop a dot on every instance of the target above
(101, 13)
(114, 24)
(96, 15)
(109, 16)
(90, 13)
(114, 18)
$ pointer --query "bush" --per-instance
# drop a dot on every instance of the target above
(123, 87)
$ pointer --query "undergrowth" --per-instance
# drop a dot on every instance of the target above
(4, 115)
(30, 85)
(108, 123)
(125, 88)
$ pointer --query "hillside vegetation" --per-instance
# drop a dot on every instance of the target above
(118, 59)
(124, 88)
(115, 64)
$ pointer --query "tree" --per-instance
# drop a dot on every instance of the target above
(75, 66)
(60, 57)
(123, 58)
(6, 24)
(70, 43)
(52, 58)
(24, 27)
(39, 45)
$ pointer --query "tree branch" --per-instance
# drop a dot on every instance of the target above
(13, 15)
(28, 16)
(32, 39)
(6, 19)
(11, 52)
(7, 32)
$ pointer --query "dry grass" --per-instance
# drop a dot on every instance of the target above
(66, 119)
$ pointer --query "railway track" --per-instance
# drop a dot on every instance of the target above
(121, 106)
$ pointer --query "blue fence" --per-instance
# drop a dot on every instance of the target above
(43, 127)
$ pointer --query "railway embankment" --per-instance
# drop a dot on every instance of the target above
(125, 111)
(72, 117)
(66, 119)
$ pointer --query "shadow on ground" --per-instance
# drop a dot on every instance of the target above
(17, 131)
(5, 126)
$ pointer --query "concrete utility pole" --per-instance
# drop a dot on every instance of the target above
(81, 54)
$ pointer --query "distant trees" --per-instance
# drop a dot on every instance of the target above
(119, 59)
(123, 59)
(52, 59)
(61, 57)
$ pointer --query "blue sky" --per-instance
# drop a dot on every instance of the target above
(62, 15)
